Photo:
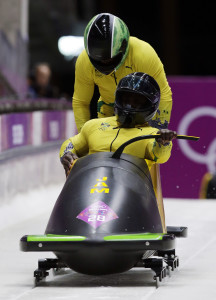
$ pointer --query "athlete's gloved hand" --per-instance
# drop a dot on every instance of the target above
(166, 136)
(67, 161)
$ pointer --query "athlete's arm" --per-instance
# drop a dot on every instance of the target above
(162, 117)
(159, 150)
(72, 148)
(83, 90)
(147, 61)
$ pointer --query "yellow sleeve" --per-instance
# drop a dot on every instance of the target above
(66, 147)
(77, 144)
(157, 152)
(83, 90)
(148, 61)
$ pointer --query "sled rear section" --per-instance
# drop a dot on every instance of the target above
(132, 250)
(123, 242)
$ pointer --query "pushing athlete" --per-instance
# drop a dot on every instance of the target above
(109, 55)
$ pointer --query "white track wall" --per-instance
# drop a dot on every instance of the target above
(34, 161)
(19, 175)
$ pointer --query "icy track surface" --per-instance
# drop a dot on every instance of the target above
(29, 213)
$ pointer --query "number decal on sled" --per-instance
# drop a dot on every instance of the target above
(93, 218)
(97, 214)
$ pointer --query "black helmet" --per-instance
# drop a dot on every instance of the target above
(106, 40)
(137, 99)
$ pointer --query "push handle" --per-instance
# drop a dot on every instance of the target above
(119, 151)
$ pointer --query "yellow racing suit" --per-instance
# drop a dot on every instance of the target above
(141, 58)
(104, 135)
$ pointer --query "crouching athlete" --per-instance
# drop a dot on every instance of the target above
(137, 99)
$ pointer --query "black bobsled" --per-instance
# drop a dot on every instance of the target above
(106, 220)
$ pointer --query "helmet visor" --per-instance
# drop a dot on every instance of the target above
(132, 101)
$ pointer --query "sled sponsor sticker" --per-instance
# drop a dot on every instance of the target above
(100, 186)
(97, 213)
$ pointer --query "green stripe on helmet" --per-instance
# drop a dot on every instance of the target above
(120, 33)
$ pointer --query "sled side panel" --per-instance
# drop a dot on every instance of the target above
(156, 181)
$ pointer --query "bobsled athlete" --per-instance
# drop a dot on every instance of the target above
(137, 100)
(109, 55)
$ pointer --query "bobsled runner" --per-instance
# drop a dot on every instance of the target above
(107, 220)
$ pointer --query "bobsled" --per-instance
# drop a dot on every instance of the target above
(107, 219)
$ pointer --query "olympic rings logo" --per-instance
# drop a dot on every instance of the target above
(209, 158)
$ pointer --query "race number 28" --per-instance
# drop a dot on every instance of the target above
(92, 218)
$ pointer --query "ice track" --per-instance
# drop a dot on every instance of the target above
(29, 213)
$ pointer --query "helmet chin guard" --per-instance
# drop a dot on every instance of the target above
(129, 119)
